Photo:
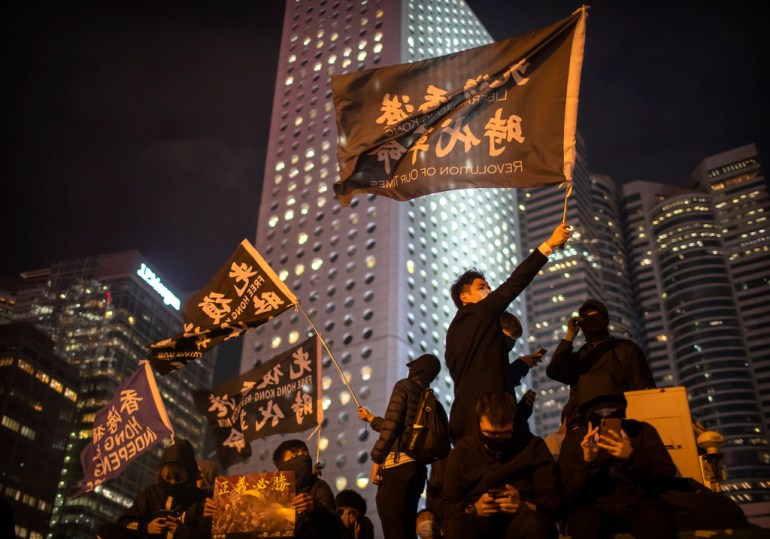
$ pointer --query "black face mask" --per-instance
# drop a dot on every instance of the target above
(302, 466)
(595, 326)
(497, 444)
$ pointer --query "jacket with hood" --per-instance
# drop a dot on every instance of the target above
(402, 407)
(473, 469)
(476, 350)
(608, 483)
(187, 498)
(607, 361)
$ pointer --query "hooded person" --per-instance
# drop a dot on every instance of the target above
(351, 507)
(316, 515)
(603, 361)
(400, 478)
(503, 480)
(613, 479)
(172, 507)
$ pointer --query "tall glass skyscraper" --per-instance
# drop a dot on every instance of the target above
(102, 312)
(374, 277)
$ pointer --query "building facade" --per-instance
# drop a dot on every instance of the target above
(38, 398)
(101, 313)
(374, 277)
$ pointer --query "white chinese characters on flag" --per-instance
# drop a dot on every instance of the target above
(244, 294)
(281, 395)
(133, 422)
(501, 115)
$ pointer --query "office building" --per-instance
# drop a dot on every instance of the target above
(374, 278)
(37, 406)
(101, 313)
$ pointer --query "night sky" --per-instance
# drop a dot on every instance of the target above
(139, 125)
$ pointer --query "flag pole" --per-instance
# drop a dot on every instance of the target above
(342, 374)
(567, 193)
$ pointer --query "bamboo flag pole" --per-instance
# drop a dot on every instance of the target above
(342, 374)
(567, 193)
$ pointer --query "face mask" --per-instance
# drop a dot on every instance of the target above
(484, 292)
(496, 445)
(302, 466)
(425, 529)
(595, 326)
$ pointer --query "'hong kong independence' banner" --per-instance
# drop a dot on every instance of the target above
(244, 294)
(133, 422)
(282, 395)
(501, 115)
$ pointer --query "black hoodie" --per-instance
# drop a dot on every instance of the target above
(186, 498)
(402, 407)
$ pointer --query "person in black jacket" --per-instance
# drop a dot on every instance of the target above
(603, 361)
(503, 480)
(172, 507)
(313, 500)
(612, 482)
(476, 351)
(401, 479)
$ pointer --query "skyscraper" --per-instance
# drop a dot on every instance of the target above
(699, 259)
(374, 277)
(101, 313)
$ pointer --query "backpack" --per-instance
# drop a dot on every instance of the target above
(428, 438)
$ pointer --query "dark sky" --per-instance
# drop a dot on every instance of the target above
(142, 125)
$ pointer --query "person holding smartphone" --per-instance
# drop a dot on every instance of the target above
(614, 472)
(503, 481)
(172, 507)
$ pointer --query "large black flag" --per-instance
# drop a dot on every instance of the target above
(245, 293)
(282, 395)
(501, 115)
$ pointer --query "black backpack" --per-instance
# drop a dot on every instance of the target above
(428, 438)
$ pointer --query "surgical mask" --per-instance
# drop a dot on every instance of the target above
(484, 292)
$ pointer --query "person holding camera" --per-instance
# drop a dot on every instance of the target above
(502, 482)
(614, 471)
(172, 507)
(603, 361)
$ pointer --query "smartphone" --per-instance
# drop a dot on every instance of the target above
(170, 513)
(610, 424)
(541, 352)
(497, 493)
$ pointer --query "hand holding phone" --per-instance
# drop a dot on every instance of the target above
(610, 424)
(541, 352)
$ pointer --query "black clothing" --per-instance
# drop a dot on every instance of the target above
(186, 498)
(402, 407)
(476, 351)
(619, 490)
(397, 498)
(322, 520)
(523, 525)
(472, 469)
(613, 363)
(399, 492)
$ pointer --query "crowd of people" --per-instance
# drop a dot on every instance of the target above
(601, 474)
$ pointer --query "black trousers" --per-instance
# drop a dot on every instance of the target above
(524, 525)
(397, 499)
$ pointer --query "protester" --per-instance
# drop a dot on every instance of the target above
(476, 351)
(313, 499)
(502, 480)
(612, 481)
(351, 507)
(400, 478)
(172, 507)
(602, 361)
(428, 526)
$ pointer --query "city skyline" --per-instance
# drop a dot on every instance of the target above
(184, 107)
